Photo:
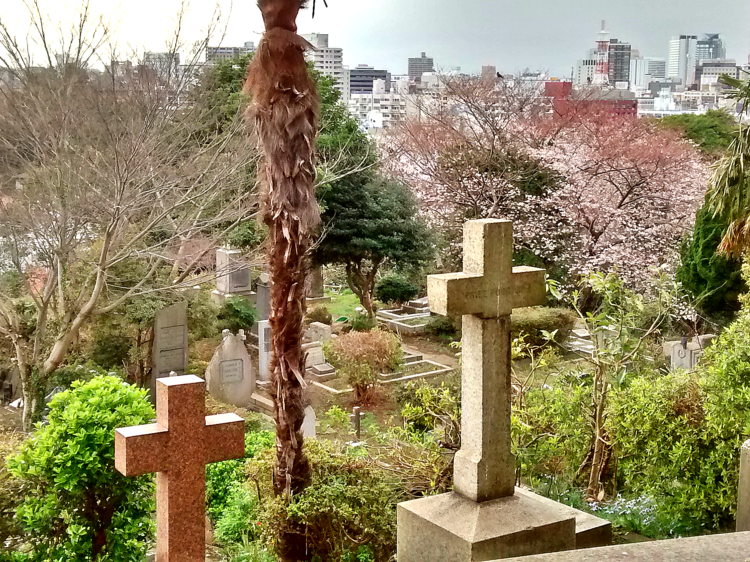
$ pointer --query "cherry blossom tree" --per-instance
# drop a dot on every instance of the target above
(587, 192)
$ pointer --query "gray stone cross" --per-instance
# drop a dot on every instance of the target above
(484, 295)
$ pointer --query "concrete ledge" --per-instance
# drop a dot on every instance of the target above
(449, 528)
(734, 547)
(591, 531)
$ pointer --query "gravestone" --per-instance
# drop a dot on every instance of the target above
(230, 376)
(318, 332)
(264, 351)
(315, 355)
(315, 287)
(7, 393)
(232, 276)
(484, 519)
(263, 297)
(684, 355)
(170, 347)
(308, 424)
(178, 447)
(743, 490)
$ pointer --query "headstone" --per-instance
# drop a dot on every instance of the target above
(232, 276)
(178, 447)
(315, 355)
(483, 519)
(230, 376)
(170, 347)
(264, 350)
(315, 287)
(263, 297)
(743, 492)
(308, 424)
(684, 355)
(319, 332)
(357, 417)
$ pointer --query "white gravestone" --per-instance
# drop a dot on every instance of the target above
(230, 376)
(264, 350)
(170, 347)
(315, 355)
(232, 276)
(308, 425)
(484, 519)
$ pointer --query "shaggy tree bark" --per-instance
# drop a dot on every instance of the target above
(285, 108)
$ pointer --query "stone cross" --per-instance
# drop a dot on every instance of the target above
(178, 447)
(484, 295)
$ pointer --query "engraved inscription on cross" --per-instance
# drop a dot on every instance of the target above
(178, 447)
(484, 295)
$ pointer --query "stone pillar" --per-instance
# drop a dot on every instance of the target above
(485, 468)
(743, 492)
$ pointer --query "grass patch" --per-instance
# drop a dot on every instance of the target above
(345, 304)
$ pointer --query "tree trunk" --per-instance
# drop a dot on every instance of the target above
(285, 107)
(600, 445)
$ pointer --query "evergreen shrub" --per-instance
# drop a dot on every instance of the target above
(534, 321)
(237, 313)
(319, 314)
(395, 288)
(75, 505)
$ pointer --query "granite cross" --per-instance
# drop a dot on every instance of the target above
(177, 447)
(484, 295)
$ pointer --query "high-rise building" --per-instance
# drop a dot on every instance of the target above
(584, 72)
(489, 72)
(619, 63)
(329, 61)
(215, 54)
(710, 47)
(682, 58)
(418, 66)
(378, 109)
(656, 67)
(362, 77)
(644, 70)
(708, 71)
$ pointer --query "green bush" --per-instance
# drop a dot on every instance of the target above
(534, 321)
(237, 313)
(350, 504)
(442, 326)
(395, 288)
(10, 493)
(713, 281)
(362, 322)
(679, 436)
(238, 518)
(75, 505)
(222, 477)
(319, 314)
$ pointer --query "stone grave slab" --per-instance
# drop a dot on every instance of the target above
(170, 347)
(230, 376)
(264, 351)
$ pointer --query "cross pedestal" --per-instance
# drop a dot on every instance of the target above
(178, 447)
(483, 519)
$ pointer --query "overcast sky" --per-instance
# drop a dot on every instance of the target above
(510, 34)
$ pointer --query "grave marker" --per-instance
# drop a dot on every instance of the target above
(483, 519)
(230, 376)
(170, 347)
(308, 424)
(264, 350)
(178, 447)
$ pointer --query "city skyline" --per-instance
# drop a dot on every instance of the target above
(540, 35)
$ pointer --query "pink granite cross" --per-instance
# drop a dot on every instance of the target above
(178, 447)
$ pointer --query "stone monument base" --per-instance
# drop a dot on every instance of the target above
(452, 528)
(218, 297)
(315, 301)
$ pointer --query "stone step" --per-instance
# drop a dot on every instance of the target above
(729, 547)
(582, 333)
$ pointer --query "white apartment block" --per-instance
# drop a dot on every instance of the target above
(329, 61)
(378, 110)
(584, 73)
(215, 54)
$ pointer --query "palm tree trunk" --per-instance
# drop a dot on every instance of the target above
(285, 108)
